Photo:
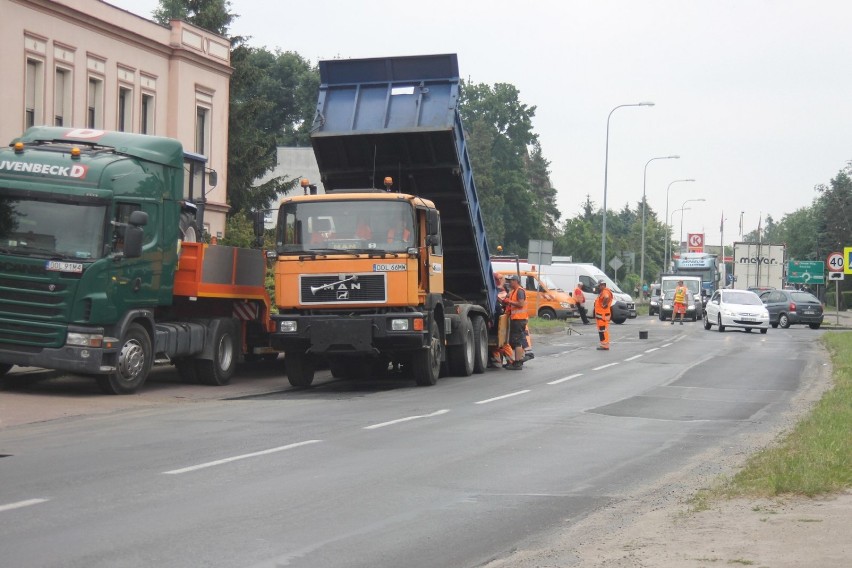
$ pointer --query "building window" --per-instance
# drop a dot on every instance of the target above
(62, 97)
(202, 130)
(95, 104)
(125, 109)
(147, 114)
(34, 94)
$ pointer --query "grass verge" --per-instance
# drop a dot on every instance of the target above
(816, 457)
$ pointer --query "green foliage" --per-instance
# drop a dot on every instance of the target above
(512, 176)
(269, 105)
(211, 15)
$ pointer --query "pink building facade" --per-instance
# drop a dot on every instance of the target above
(88, 64)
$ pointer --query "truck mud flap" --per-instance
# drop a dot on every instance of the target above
(342, 336)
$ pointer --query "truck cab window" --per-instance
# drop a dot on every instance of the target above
(119, 224)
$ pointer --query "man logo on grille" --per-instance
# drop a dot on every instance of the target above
(343, 294)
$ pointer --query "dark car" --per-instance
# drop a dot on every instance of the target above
(787, 307)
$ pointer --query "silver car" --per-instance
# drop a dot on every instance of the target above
(736, 308)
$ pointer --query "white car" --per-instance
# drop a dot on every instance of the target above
(736, 308)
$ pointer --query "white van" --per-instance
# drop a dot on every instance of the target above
(567, 275)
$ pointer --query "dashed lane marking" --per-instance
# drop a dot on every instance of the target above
(634, 357)
(20, 504)
(563, 379)
(242, 457)
(406, 419)
(605, 366)
(486, 401)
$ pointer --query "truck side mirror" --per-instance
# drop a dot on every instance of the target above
(133, 237)
(138, 219)
(433, 223)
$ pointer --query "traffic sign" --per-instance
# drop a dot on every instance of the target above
(835, 263)
(805, 272)
(847, 256)
(835, 275)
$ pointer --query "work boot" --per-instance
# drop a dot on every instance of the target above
(602, 348)
(528, 355)
(508, 365)
(516, 367)
(672, 321)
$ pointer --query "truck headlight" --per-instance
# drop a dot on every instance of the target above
(288, 326)
(402, 324)
(84, 339)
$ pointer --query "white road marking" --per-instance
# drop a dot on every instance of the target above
(242, 457)
(20, 504)
(605, 366)
(634, 357)
(652, 349)
(665, 345)
(383, 424)
(563, 379)
(502, 397)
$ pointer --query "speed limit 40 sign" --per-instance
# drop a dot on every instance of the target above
(834, 262)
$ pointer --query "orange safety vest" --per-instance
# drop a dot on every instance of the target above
(516, 313)
(406, 234)
(599, 307)
(579, 296)
(680, 295)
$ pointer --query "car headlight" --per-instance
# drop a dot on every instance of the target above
(288, 326)
(654, 303)
(566, 305)
(667, 306)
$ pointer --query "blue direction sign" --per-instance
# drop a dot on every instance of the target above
(805, 272)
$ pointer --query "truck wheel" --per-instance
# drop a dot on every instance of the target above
(480, 337)
(185, 368)
(134, 362)
(300, 368)
(188, 228)
(547, 314)
(462, 356)
(426, 363)
(4, 368)
(219, 370)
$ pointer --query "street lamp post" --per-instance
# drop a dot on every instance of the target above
(668, 224)
(680, 239)
(606, 171)
(642, 254)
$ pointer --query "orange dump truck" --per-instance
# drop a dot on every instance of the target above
(382, 270)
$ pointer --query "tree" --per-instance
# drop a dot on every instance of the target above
(268, 106)
(211, 15)
(272, 97)
(513, 180)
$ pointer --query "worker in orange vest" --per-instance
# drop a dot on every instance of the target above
(516, 307)
(603, 313)
(580, 298)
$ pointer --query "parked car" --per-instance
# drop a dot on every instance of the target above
(787, 307)
(736, 308)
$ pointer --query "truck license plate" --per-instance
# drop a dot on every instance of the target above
(62, 266)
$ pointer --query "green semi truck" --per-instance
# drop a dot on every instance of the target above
(99, 274)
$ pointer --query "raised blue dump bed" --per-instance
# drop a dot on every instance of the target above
(398, 117)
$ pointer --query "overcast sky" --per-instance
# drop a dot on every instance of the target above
(754, 95)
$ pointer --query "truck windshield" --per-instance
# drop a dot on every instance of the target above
(346, 225)
(51, 229)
